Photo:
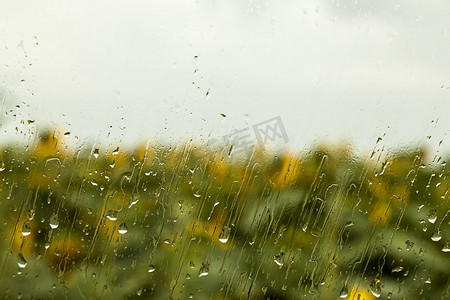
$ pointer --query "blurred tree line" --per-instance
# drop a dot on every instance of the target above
(189, 221)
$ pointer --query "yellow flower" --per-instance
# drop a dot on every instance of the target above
(211, 229)
(51, 143)
(22, 241)
(289, 171)
(360, 294)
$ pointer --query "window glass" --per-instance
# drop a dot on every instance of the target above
(224, 149)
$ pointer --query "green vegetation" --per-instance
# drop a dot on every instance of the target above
(182, 221)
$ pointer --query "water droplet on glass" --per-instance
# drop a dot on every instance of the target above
(225, 234)
(197, 195)
(112, 214)
(375, 288)
(409, 245)
(116, 151)
(437, 236)
(432, 216)
(188, 276)
(21, 262)
(26, 229)
(304, 227)
(54, 223)
(344, 292)
(397, 269)
(134, 200)
(191, 264)
(446, 247)
(428, 280)
(424, 227)
(30, 214)
(96, 152)
(151, 268)
(123, 228)
(204, 270)
(279, 259)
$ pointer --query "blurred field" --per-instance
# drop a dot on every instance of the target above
(190, 221)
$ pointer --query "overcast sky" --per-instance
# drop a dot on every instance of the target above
(332, 70)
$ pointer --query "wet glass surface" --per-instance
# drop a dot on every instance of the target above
(212, 150)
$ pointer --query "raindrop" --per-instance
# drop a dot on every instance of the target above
(30, 214)
(344, 292)
(188, 276)
(225, 234)
(123, 229)
(96, 152)
(279, 259)
(432, 216)
(397, 269)
(134, 200)
(54, 223)
(446, 247)
(191, 264)
(26, 229)
(437, 236)
(409, 245)
(305, 226)
(375, 288)
(21, 260)
(151, 268)
(424, 227)
(116, 151)
(204, 270)
(428, 280)
(112, 214)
